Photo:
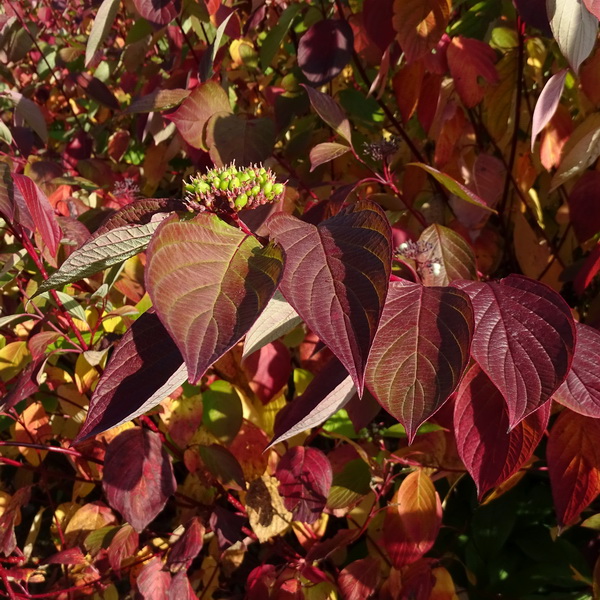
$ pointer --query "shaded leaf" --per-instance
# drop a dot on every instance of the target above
(30, 112)
(420, 351)
(490, 454)
(123, 545)
(453, 254)
(101, 27)
(547, 103)
(274, 38)
(454, 187)
(581, 389)
(593, 6)
(469, 60)
(573, 456)
(97, 90)
(330, 390)
(419, 25)
(574, 28)
(524, 339)
(412, 519)
(188, 546)
(359, 579)
(223, 465)
(268, 370)
(267, 514)
(305, 477)
(138, 476)
(163, 100)
(584, 206)
(325, 152)
(205, 68)
(336, 277)
(534, 13)
(208, 282)
(145, 367)
(222, 411)
(278, 318)
(350, 485)
(153, 582)
(329, 110)
(588, 271)
(9, 517)
(324, 50)
(191, 117)
(161, 12)
(232, 138)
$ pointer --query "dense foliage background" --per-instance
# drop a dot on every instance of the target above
(436, 111)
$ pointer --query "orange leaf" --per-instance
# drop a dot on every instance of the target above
(407, 88)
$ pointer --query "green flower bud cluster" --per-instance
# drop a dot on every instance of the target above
(230, 189)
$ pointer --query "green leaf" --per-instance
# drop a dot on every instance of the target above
(222, 411)
(102, 24)
(325, 152)
(275, 35)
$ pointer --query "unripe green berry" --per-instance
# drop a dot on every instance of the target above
(278, 189)
(234, 183)
(267, 187)
(224, 185)
(216, 183)
(255, 191)
(241, 201)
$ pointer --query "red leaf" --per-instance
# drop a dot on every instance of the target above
(412, 519)
(336, 277)
(10, 514)
(69, 556)
(581, 390)
(359, 580)
(593, 6)
(208, 282)
(547, 103)
(268, 370)
(161, 12)
(123, 545)
(144, 369)
(420, 351)
(377, 19)
(329, 110)
(153, 581)
(305, 478)
(573, 456)
(524, 339)
(187, 547)
(40, 210)
(324, 50)
(181, 588)
(468, 60)
(587, 271)
(138, 476)
(490, 454)
(584, 206)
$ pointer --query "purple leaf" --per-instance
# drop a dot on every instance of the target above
(138, 476)
(420, 351)
(161, 12)
(40, 210)
(524, 339)
(336, 276)
(490, 454)
(305, 478)
(326, 152)
(584, 206)
(581, 389)
(325, 49)
(534, 13)
(547, 103)
(146, 366)
(329, 391)
(329, 110)
(208, 282)
(97, 90)
(26, 384)
(30, 112)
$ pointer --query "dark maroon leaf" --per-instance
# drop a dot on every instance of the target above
(227, 526)
(322, 549)
(161, 12)
(138, 476)
(524, 340)
(146, 366)
(420, 351)
(534, 13)
(40, 210)
(11, 512)
(490, 454)
(581, 390)
(377, 19)
(97, 90)
(584, 206)
(329, 391)
(208, 282)
(329, 110)
(325, 49)
(588, 270)
(153, 581)
(187, 547)
(336, 277)
(25, 385)
(305, 478)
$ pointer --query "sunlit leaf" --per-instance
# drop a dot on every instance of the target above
(329, 110)
(101, 27)
(267, 514)
(161, 12)
(359, 579)
(162, 100)
(547, 103)
(326, 152)
(208, 282)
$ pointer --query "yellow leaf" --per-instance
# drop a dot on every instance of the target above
(33, 427)
(268, 516)
(13, 359)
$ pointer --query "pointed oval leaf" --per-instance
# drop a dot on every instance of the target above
(40, 210)
(208, 282)
(138, 476)
(412, 519)
(574, 28)
(490, 454)
(325, 152)
(325, 49)
(278, 318)
(145, 367)
(102, 24)
(359, 579)
(547, 103)
(161, 12)
(330, 390)
(30, 112)
(420, 351)
(581, 389)
(451, 252)
(454, 187)
(305, 478)
(153, 582)
(223, 465)
(584, 206)
(163, 100)
(329, 110)
(573, 456)
(336, 276)
(191, 117)
(524, 340)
